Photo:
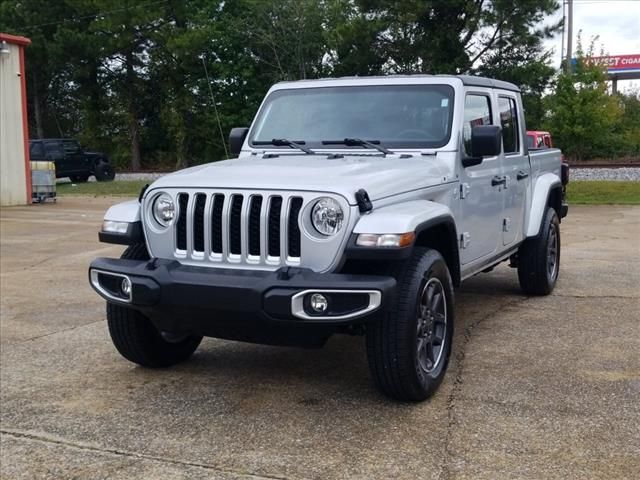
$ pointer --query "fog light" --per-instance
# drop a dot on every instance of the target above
(125, 286)
(318, 302)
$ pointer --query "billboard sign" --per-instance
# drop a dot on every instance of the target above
(619, 63)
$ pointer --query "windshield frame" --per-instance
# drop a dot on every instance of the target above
(395, 145)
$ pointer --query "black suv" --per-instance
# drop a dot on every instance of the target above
(71, 160)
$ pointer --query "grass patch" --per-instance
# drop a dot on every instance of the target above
(603, 193)
(578, 193)
(117, 188)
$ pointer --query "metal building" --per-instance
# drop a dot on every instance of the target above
(15, 171)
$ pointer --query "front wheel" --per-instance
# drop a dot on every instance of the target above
(138, 340)
(409, 347)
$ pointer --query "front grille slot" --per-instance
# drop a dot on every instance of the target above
(181, 223)
(235, 226)
(198, 222)
(254, 225)
(294, 227)
(216, 223)
(274, 227)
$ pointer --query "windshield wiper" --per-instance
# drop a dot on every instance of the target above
(283, 142)
(358, 142)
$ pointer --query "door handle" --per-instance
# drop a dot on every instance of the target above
(497, 180)
(522, 175)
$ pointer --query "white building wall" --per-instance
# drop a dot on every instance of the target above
(13, 186)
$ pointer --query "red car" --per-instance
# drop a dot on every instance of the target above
(537, 139)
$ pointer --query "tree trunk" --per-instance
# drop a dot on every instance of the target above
(134, 127)
(134, 134)
(37, 112)
(94, 112)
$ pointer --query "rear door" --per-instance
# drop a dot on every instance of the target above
(54, 152)
(481, 202)
(516, 168)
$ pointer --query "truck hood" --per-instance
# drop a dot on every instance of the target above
(379, 176)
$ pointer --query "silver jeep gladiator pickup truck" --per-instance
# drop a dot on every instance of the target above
(356, 205)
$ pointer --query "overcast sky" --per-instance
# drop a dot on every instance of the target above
(616, 22)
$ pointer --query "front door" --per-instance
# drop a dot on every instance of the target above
(76, 160)
(481, 201)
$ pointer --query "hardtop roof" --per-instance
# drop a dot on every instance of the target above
(470, 80)
(53, 140)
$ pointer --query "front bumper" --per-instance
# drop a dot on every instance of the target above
(250, 305)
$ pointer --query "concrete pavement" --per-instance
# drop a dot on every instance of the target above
(538, 387)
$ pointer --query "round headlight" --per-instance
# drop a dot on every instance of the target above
(164, 210)
(327, 216)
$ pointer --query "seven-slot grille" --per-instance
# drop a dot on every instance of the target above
(239, 227)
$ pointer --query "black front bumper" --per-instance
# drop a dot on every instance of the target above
(248, 305)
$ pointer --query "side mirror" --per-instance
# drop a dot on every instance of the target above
(486, 141)
(236, 139)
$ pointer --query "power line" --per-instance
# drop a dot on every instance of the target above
(95, 15)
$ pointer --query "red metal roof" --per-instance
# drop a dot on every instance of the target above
(15, 39)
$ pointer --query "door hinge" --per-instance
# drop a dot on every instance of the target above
(464, 190)
(465, 240)
(506, 224)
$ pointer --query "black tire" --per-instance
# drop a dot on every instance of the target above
(104, 172)
(138, 340)
(79, 178)
(397, 363)
(539, 258)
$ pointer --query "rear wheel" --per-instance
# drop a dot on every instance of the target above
(408, 349)
(104, 172)
(138, 340)
(539, 258)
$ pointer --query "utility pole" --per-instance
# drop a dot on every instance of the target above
(564, 30)
(567, 65)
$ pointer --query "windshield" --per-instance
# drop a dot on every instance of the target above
(400, 116)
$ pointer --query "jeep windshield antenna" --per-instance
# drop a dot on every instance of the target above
(283, 142)
(358, 142)
(215, 108)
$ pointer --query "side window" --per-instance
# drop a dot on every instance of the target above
(54, 150)
(509, 123)
(477, 111)
(37, 150)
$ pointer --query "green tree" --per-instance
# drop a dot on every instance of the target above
(46, 70)
(629, 124)
(581, 114)
(422, 36)
(130, 77)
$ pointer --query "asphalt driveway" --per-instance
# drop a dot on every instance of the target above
(539, 387)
